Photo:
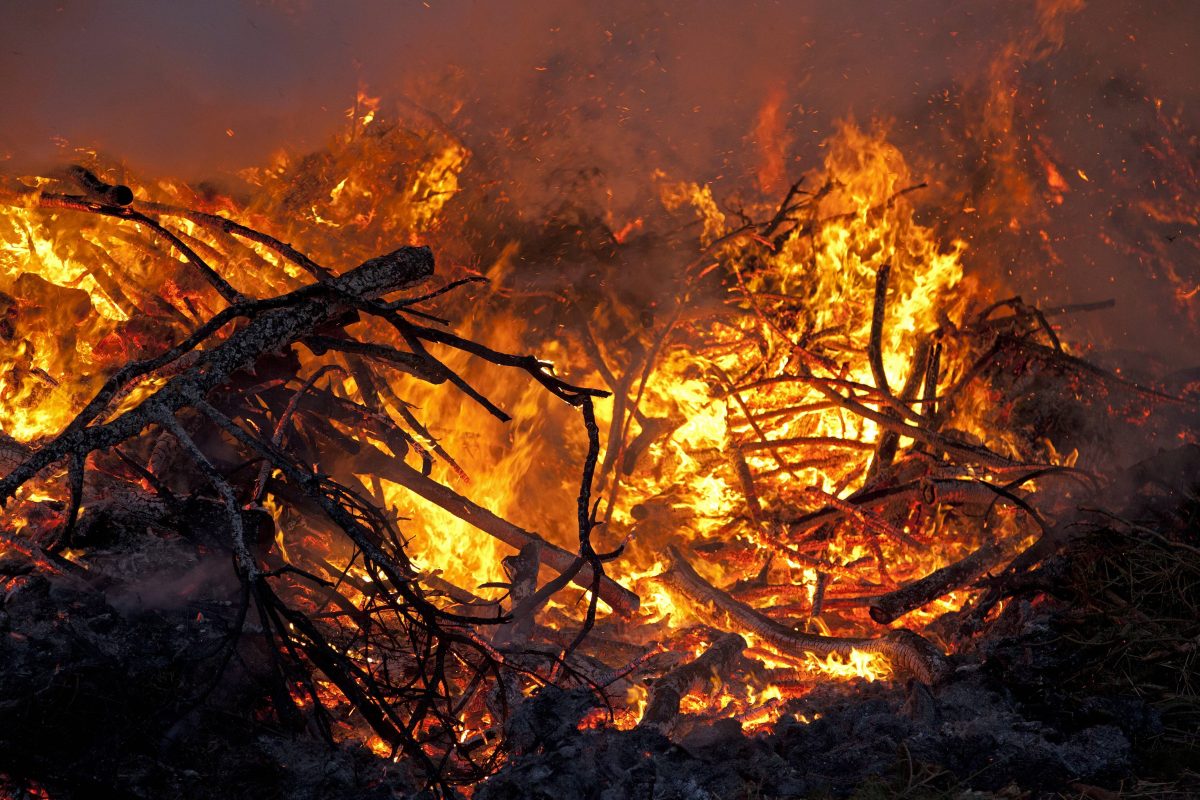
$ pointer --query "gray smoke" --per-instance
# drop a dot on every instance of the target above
(544, 87)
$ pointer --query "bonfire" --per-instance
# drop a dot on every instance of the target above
(340, 472)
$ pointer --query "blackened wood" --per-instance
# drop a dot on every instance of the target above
(669, 690)
(522, 569)
(906, 651)
(889, 440)
(280, 323)
(117, 194)
(621, 599)
(893, 605)
(932, 373)
(875, 344)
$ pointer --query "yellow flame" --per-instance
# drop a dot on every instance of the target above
(859, 664)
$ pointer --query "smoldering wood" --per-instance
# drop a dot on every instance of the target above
(907, 651)
(618, 597)
(746, 481)
(818, 600)
(887, 608)
(522, 569)
(667, 692)
(117, 194)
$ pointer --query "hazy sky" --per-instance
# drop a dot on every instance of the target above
(160, 83)
(622, 86)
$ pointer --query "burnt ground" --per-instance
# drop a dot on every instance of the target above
(134, 692)
(977, 732)
(1084, 686)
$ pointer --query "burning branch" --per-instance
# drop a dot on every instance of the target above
(904, 649)
(203, 377)
(671, 688)
(887, 608)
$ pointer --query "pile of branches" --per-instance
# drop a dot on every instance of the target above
(919, 471)
(200, 439)
(224, 434)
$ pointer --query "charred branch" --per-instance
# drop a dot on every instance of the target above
(669, 690)
(117, 195)
(274, 324)
(621, 599)
(906, 650)
(893, 605)
(522, 572)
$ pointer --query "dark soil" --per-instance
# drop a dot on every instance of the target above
(123, 683)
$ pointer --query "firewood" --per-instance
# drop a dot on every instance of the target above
(907, 651)
(12, 453)
(933, 371)
(118, 194)
(875, 344)
(522, 572)
(818, 600)
(670, 689)
(618, 597)
(888, 607)
(949, 491)
(889, 441)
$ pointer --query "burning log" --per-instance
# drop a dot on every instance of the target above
(906, 650)
(118, 195)
(886, 608)
(523, 573)
(669, 690)
(621, 599)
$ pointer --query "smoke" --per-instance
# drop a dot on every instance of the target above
(544, 88)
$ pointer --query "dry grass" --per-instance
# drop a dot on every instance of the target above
(1134, 614)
